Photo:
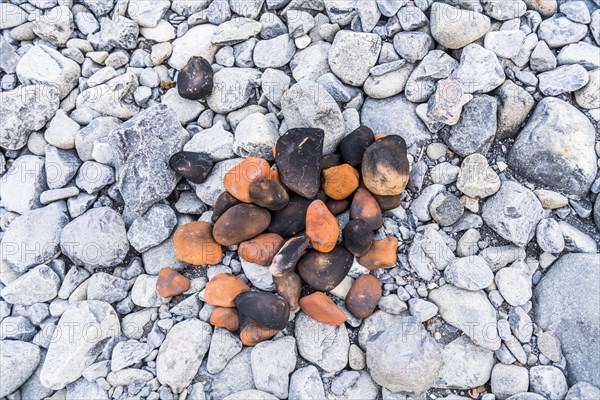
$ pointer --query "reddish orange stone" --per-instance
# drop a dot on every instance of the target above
(194, 244)
(238, 179)
(171, 283)
(340, 181)
(321, 227)
(379, 136)
(223, 289)
(381, 254)
(255, 333)
(365, 207)
(227, 318)
(363, 296)
(321, 308)
(261, 249)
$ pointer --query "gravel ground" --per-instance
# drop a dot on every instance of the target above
(495, 293)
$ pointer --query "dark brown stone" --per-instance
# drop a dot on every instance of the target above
(268, 194)
(286, 259)
(291, 219)
(387, 203)
(363, 296)
(224, 202)
(240, 223)
(195, 80)
(195, 167)
(324, 271)
(358, 237)
(385, 166)
(267, 309)
(365, 207)
(337, 206)
(298, 159)
(289, 286)
(353, 146)
(331, 160)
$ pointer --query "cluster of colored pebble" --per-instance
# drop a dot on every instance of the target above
(283, 217)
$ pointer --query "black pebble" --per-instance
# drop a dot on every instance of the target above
(195, 80)
(267, 309)
(358, 237)
(353, 146)
(324, 271)
(194, 167)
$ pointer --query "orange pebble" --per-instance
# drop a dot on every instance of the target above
(255, 333)
(223, 289)
(171, 283)
(227, 318)
(194, 244)
(321, 227)
(261, 249)
(321, 308)
(340, 181)
(381, 254)
(238, 179)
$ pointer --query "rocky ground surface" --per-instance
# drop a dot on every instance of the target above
(495, 290)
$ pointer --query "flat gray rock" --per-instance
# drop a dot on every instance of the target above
(436, 65)
(233, 87)
(69, 354)
(38, 232)
(305, 383)
(272, 363)
(562, 305)
(564, 79)
(105, 287)
(142, 147)
(38, 285)
(324, 345)
(352, 55)
(470, 273)
(476, 129)
(152, 228)
(479, 70)
(462, 28)
(560, 31)
(236, 377)
(514, 105)
(513, 213)
(21, 359)
(556, 148)
(224, 346)
(96, 239)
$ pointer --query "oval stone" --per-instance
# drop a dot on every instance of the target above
(227, 318)
(365, 207)
(339, 182)
(238, 179)
(254, 333)
(364, 295)
(195, 167)
(195, 80)
(324, 271)
(241, 222)
(222, 290)
(287, 257)
(194, 244)
(171, 283)
(289, 286)
(321, 227)
(224, 202)
(269, 194)
(298, 158)
(385, 166)
(336, 207)
(353, 146)
(358, 237)
(261, 249)
(321, 308)
(381, 254)
(267, 309)
(387, 203)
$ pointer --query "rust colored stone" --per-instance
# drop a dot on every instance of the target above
(194, 244)
(381, 254)
(261, 249)
(241, 222)
(336, 207)
(255, 333)
(379, 136)
(171, 283)
(291, 219)
(339, 182)
(222, 290)
(238, 179)
(321, 227)
(227, 318)
(269, 194)
(289, 287)
(365, 207)
(224, 202)
(385, 166)
(363, 297)
(321, 308)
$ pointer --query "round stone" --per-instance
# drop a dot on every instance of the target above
(321, 227)
(195, 80)
(195, 167)
(287, 257)
(261, 249)
(324, 271)
(194, 244)
(353, 146)
(365, 207)
(385, 166)
(171, 283)
(227, 318)
(254, 333)
(240, 223)
(224, 202)
(364, 295)
(289, 287)
(222, 290)
(269, 194)
(340, 181)
(381, 254)
(238, 179)
(267, 309)
(358, 237)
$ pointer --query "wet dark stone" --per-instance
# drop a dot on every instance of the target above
(291, 219)
(240, 223)
(224, 202)
(331, 160)
(363, 296)
(268, 194)
(353, 146)
(336, 207)
(286, 259)
(195, 80)
(194, 167)
(387, 203)
(289, 287)
(267, 309)
(298, 158)
(324, 271)
(358, 237)
(365, 207)
(385, 166)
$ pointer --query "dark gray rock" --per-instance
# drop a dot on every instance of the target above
(556, 148)
(141, 149)
(105, 287)
(446, 209)
(383, 116)
(597, 212)
(562, 304)
(476, 129)
(564, 79)
(514, 105)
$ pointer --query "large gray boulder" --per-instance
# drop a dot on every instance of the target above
(556, 148)
(404, 358)
(324, 345)
(567, 303)
(141, 150)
